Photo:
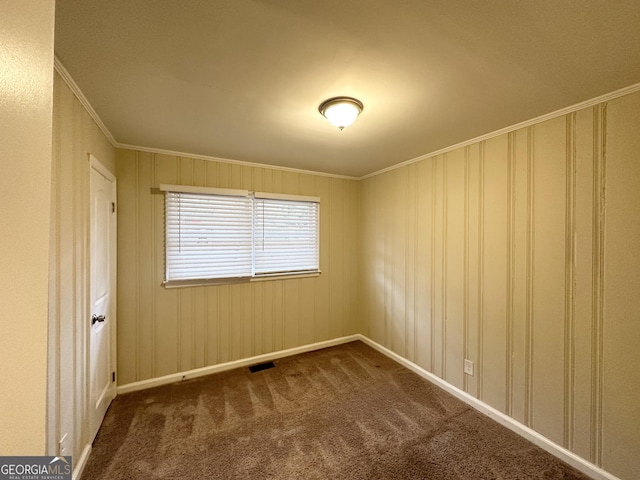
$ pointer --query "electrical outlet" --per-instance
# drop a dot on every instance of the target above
(64, 448)
(468, 367)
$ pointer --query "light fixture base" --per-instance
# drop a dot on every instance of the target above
(341, 111)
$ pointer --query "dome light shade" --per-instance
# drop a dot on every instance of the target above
(341, 111)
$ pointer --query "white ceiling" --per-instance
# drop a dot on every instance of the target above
(242, 79)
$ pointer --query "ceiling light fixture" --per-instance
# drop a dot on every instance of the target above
(341, 111)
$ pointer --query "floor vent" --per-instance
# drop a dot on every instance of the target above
(261, 366)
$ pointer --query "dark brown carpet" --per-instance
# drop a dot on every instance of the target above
(345, 412)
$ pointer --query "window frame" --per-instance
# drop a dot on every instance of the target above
(254, 196)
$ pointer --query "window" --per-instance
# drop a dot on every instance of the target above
(224, 233)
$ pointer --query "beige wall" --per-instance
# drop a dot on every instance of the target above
(163, 331)
(75, 135)
(521, 254)
(620, 335)
(26, 91)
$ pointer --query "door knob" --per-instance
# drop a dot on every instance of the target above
(97, 318)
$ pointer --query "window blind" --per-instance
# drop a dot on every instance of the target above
(285, 236)
(208, 236)
(214, 233)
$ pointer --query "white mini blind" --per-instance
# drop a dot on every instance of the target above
(208, 236)
(214, 233)
(285, 236)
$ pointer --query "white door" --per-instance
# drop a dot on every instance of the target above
(102, 297)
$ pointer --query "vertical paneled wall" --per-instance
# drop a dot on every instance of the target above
(163, 331)
(75, 135)
(520, 253)
(617, 330)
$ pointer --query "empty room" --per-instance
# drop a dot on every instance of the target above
(357, 240)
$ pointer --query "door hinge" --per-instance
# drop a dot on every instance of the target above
(113, 207)
(113, 376)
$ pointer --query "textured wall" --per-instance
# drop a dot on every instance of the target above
(163, 331)
(75, 135)
(521, 254)
(26, 93)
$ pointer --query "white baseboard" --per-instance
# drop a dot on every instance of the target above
(541, 441)
(82, 462)
(200, 372)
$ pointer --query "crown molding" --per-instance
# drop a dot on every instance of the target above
(66, 76)
(59, 67)
(527, 123)
(231, 161)
(73, 86)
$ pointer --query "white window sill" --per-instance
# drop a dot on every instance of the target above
(232, 281)
(284, 276)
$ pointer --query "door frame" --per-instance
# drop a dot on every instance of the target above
(94, 164)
